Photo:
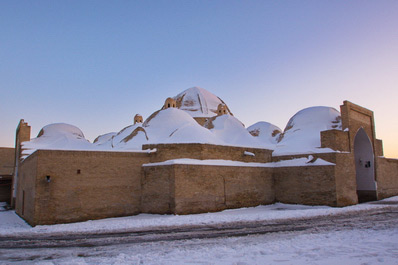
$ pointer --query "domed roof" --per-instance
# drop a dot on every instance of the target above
(131, 137)
(231, 131)
(265, 132)
(56, 129)
(58, 136)
(302, 132)
(199, 102)
(104, 139)
(176, 126)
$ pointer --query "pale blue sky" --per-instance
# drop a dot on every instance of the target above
(95, 64)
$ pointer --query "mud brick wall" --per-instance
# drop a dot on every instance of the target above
(336, 140)
(207, 151)
(74, 186)
(354, 117)
(157, 189)
(313, 185)
(26, 189)
(198, 188)
(387, 177)
(7, 158)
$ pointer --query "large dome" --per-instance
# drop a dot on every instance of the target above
(303, 131)
(198, 102)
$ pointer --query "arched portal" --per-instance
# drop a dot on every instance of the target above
(364, 166)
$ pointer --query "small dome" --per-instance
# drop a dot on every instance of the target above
(303, 131)
(231, 131)
(265, 132)
(60, 128)
(104, 138)
(58, 136)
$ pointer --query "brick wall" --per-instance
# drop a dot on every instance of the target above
(7, 156)
(72, 186)
(202, 188)
(26, 189)
(387, 177)
(313, 185)
(207, 151)
(354, 117)
(337, 140)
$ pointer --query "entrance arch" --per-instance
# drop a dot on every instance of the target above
(364, 166)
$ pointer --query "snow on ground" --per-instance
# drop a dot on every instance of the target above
(11, 224)
(377, 245)
(356, 247)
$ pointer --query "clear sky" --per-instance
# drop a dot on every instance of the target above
(95, 64)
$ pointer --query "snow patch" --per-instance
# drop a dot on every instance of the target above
(298, 162)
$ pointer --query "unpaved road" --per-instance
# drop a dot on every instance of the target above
(384, 218)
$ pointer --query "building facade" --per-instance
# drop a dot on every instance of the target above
(59, 186)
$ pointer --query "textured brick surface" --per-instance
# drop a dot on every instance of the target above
(90, 185)
(207, 151)
(387, 177)
(184, 189)
(83, 185)
(305, 185)
(336, 140)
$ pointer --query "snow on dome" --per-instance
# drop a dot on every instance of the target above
(199, 102)
(265, 132)
(57, 136)
(176, 126)
(130, 138)
(56, 129)
(303, 131)
(104, 139)
(231, 131)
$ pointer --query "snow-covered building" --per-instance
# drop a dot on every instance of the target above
(193, 156)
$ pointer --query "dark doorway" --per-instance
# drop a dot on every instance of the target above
(364, 166)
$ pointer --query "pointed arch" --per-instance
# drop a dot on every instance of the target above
(364, 167)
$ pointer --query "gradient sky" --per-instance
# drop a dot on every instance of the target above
(95, 64)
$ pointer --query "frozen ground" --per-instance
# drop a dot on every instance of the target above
(366, 234)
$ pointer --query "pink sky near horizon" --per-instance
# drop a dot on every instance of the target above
(96, 64)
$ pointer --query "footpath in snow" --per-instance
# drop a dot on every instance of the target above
(12, 224)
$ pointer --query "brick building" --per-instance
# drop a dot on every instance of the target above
(58, 186)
